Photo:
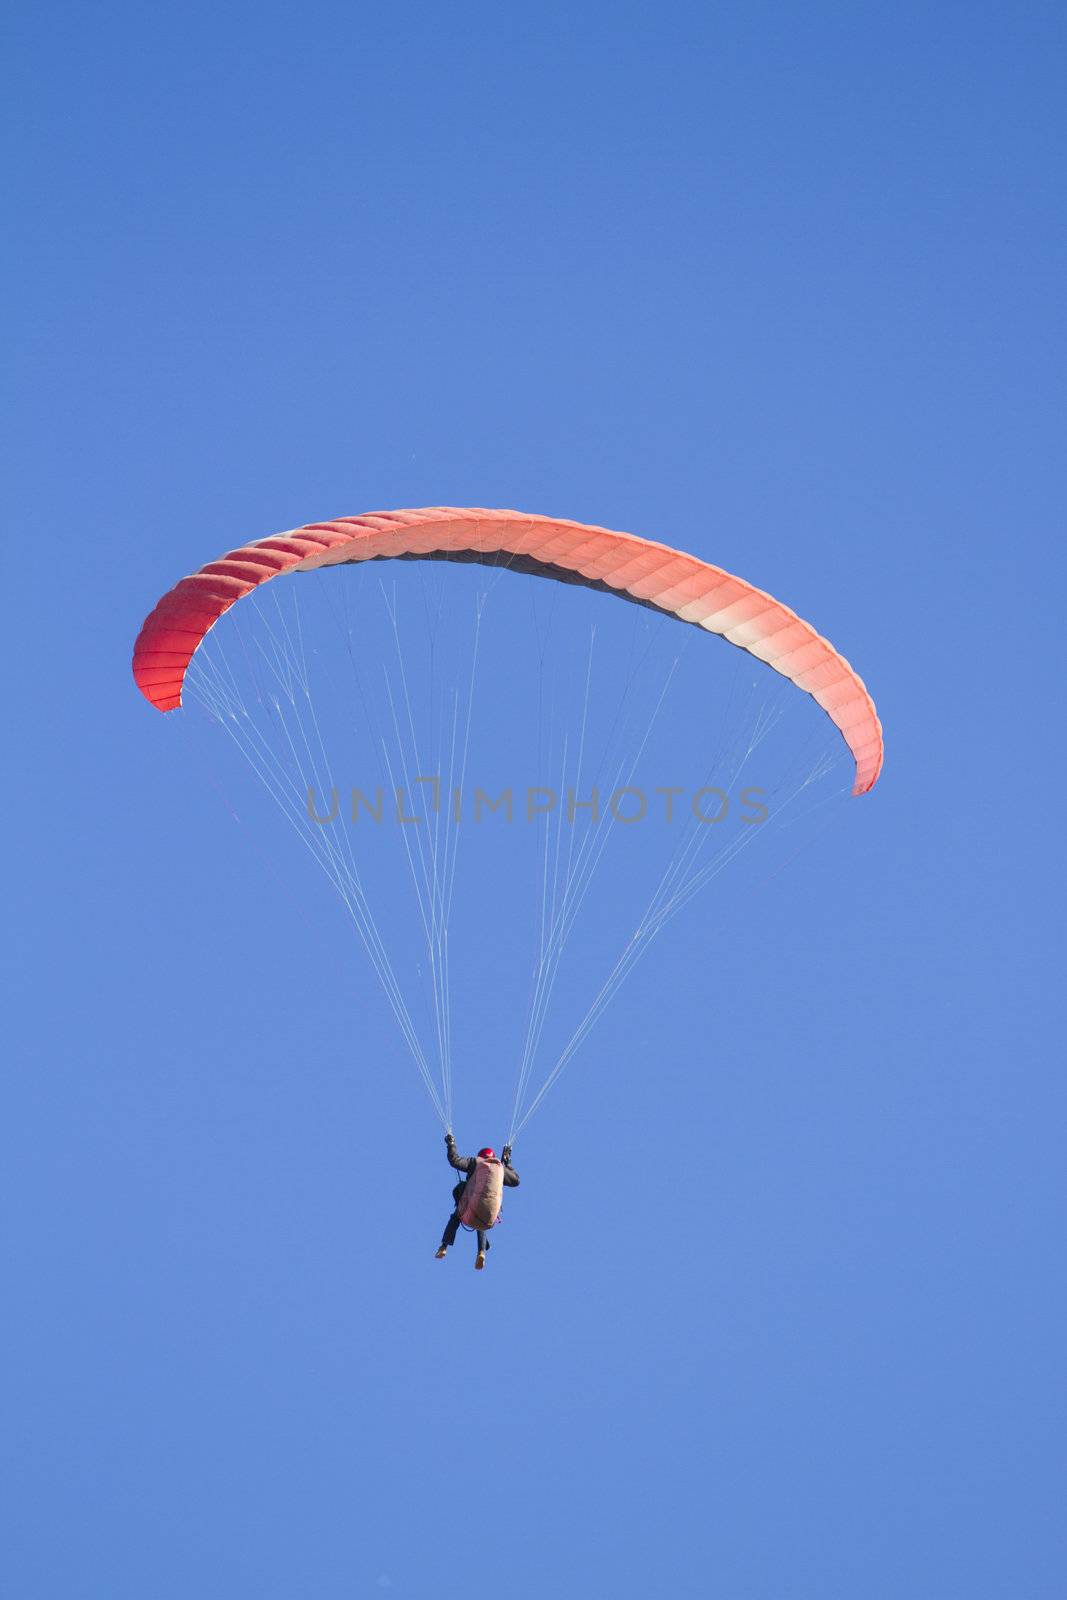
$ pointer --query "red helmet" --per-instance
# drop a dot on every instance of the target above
(487, 1154)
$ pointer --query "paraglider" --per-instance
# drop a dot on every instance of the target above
(478, 1198)
(273, 718)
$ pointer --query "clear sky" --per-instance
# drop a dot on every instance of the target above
(778, 1313)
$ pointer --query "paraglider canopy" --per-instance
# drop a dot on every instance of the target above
(635, 569)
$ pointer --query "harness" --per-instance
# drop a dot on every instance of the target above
(479, 1206)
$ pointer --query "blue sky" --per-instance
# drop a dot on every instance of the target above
(778, 1310)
